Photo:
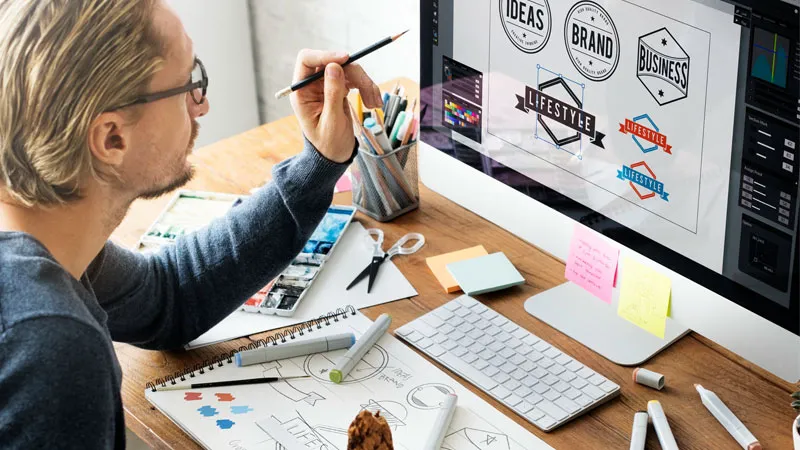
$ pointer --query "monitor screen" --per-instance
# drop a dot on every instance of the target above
(670, 127)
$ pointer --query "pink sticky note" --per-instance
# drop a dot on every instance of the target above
(592, 263)
(344, 184)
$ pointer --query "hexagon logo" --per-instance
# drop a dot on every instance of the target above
(645, 134)
(643, 181)
(662, 66)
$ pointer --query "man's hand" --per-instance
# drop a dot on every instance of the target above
(322, 107)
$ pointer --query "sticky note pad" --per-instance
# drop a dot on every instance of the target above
(485, 274)
(438, 265)
(644, 297)
(592, 263)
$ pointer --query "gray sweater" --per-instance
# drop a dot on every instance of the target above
(59, 376)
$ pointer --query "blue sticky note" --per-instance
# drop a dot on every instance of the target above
(485, 274)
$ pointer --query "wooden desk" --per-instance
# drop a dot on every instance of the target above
(240, 163)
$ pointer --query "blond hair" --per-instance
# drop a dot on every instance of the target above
(62, 64)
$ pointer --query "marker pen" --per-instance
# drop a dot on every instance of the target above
(292, 349)
(349, 360)
(639, 432)
(728, 420)
(663, 431)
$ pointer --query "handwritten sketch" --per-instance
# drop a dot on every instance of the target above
(428, 396)
(474, 439)
(373, 362)
(394, 413)
(286, 388)
(305, 434)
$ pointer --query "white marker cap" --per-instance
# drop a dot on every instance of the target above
(648, 378)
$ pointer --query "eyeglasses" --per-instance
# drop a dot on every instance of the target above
(198, 86)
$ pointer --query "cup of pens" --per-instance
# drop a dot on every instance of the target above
(385, 177)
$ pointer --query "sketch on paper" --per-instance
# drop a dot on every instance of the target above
(286, 388)
(394, 413)
(428, 396)
(474, 439)
(373, 363)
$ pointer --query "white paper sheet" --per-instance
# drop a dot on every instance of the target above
(327, 293)
(391, 378)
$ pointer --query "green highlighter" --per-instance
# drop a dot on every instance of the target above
(348, 361)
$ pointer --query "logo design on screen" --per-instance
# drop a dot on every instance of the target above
(645, 134)
(662, 66)
(643, 181)
(592, 41)
(527, 23)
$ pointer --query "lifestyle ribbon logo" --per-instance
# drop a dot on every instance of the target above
(592, 40)
(647, 181)
(662, 66)
(564, 111)
(643, 133)
(526, 23)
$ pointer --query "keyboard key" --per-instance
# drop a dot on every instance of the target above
(550, 380)
(535, 414)
(551, 395)
(499, 320)
(520, 333)
(449, 345)
(522, 391)
(518, 360)
(567, 405)
(469, 357)
(509, 327)
(446, 328)
(535, 356)
(493, 330)
(608, 386)
(530, 340)
(567, 376)
(443, 314)
(465, 328)
(541, 346)
(472, 318)
(451, 306)
(553, 411)
(596, 379)
(424, 328)
(507, 353)
(578, 383)
(556, 369)
(513, 385)
(501, 377)
(513, 400)
(503, 337)
(414, 336)
(439, 338)
(518, 374)
(436, 350)
(480, 364)
(496, 346)
(583, 400)
(563, 359)
(507, 367)
(432, 320)
(466, 341)
(475, 334)
(530, 381)
(456, 335)
(424, 343)
(455, 321)
(525, 349)
(467, 371)
(593, 391)
(545, 362)
(497, 361)
(485, 339)
(527, 366)
(486, 354)
(552, 352)
(524, 407)
(545, 422)
(489, 313)
(459, 351)
(574, 366)
(534, 398)
(572, 393)
(540, 388)
(513, 343)
(539, 373)
(561, 386)
(585, 373)
(476, 348)
(466, 300)
(500, 392)
(462, 312)
(490, 371)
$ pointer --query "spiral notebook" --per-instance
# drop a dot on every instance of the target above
(390, 378)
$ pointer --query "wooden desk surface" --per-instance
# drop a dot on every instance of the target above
(240, 163)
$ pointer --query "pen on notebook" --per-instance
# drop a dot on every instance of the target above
(728, 420)
(446, 411)
(354, 57)
(292, 349)
(348, 361)
(660, 423)
(261, 380)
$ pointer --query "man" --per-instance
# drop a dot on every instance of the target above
(98, 101)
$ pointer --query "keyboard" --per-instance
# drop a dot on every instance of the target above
(536, 380)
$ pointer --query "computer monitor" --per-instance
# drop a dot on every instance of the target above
(669, 127)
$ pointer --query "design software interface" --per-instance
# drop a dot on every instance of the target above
(677, 120)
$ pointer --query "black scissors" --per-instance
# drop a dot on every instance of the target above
(379, 256)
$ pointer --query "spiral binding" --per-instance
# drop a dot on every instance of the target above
(277, 338)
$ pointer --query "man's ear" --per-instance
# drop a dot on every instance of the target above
(109, 139)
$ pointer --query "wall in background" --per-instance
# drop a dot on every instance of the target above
(223, 41)
(283, 27)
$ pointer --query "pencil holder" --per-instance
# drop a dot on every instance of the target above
(386, 186)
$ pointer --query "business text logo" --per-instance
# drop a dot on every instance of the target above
(662, 66)
(645, 134)
(558, 103)
(527, 23)
(592, 40)
(643, 181)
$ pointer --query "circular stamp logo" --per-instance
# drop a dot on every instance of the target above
(527, 23)
(592, 40)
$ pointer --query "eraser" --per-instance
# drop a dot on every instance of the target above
(648, 378)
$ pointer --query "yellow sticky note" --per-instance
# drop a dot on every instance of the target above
(644, 297)
(438, 265)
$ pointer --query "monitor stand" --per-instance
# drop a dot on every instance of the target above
(583, 317)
